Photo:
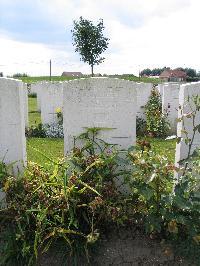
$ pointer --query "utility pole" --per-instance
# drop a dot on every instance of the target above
(50, 69)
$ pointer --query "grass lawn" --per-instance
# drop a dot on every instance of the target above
(54, 148)
(163, 147)
(38, 148)
(33, 115)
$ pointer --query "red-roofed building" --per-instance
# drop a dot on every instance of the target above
(176, 75)
(72, 74)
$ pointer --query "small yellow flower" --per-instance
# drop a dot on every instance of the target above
(58, 110)
(6, 186)
(172, 227)
(197, 239)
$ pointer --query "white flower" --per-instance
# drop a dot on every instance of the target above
(54, 130)
(152, 177)
(171, 137)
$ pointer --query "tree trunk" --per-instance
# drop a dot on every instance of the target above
(92, 68)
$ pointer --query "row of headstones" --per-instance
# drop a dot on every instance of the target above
(50, 97)
(97, 102)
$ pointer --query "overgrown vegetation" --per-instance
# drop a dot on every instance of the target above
(73, 200)
(141, 126)
(70, 203)
(156, 121)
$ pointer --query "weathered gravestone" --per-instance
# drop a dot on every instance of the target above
(25, 95)
(12, 129)
(143, 94)
(186, 105)
(160, 88)
(100, 102)
(170, 103)
(51, 100)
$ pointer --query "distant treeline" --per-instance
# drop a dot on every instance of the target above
(19, 75)
(191, 73)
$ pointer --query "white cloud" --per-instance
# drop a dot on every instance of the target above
(123, 11)
(166, 36)
(31, 58)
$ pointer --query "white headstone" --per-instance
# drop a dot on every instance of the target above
(100, 102)
(25, 94)
(12, 129)
(160, 88)
(51, 99)
(143, 94)
(182, 149)
(170, 103)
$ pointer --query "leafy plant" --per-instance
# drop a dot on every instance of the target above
(37, 131)
(3, 172)
(157, 124)
(32, 95)
(70, 202)
(151, 184)
(186, 200)
(74, 199)
(141, 126)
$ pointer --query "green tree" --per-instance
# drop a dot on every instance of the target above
(156, 121)
(145, 71)
(89, 41)
(191, 72)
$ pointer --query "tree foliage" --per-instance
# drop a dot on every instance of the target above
(89, 41)
(153, 72)
(156, 120)
(191, 73)
(19, 75)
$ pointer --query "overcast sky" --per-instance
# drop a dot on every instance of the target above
(143, 33)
